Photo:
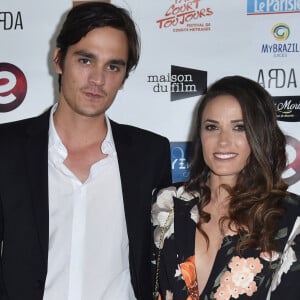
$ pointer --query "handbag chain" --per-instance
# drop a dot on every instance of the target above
(163, 230)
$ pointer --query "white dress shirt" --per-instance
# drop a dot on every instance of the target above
(88, 241)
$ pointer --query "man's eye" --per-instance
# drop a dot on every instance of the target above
(113, 68)
(85, 61)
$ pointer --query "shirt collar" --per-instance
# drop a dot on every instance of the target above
(107, 147)
(53, 136)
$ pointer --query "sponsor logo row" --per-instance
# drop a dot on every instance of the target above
(280, 40)
(184, 15)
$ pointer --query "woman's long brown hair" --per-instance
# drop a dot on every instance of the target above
(256, 200)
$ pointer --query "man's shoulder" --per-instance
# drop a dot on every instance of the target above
(23, 125)
(137, 132)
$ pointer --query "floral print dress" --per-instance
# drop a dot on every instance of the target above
(255, 275)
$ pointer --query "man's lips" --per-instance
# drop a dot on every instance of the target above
(94, 93)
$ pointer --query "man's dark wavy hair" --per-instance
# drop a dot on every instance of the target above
(85, 17)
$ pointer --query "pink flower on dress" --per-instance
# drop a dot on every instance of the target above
(237, 264)
(240, 280)
(236, 291)
(223, 293)
(254, 265)
(226, 278)
(251, 289)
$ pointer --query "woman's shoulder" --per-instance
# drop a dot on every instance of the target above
(165, 199)
(176, 190)
(168, 200)
(173, 204)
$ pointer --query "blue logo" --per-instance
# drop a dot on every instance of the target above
(180, 161)
(259, 7)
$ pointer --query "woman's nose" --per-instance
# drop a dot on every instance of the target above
(224, 137)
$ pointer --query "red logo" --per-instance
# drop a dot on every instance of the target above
(13, 87)
(186, 16)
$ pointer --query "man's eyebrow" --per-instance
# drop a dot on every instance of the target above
(90, 55)
(120, 62)
(85, 54)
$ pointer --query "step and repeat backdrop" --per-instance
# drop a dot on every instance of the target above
(186, 45)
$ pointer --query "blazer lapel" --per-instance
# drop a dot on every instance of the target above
(37, 163)
(123, 145)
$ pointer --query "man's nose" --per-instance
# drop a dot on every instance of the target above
(97, 76)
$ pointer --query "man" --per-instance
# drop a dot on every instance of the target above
(75, 187)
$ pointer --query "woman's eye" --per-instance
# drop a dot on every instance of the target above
(210, 127)
(240, 127)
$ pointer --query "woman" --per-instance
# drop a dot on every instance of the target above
(232, 231)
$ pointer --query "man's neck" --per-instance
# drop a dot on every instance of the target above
(79, 131)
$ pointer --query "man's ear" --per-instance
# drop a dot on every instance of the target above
(56, 61)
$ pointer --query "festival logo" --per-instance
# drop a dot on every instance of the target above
(260, 7)
(292, 172)
(180, 161)
(13, 87)
(186, 15)
(282, 47)
(287, 108)
(181, 83)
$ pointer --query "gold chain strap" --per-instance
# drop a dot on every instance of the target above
(163, 230)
